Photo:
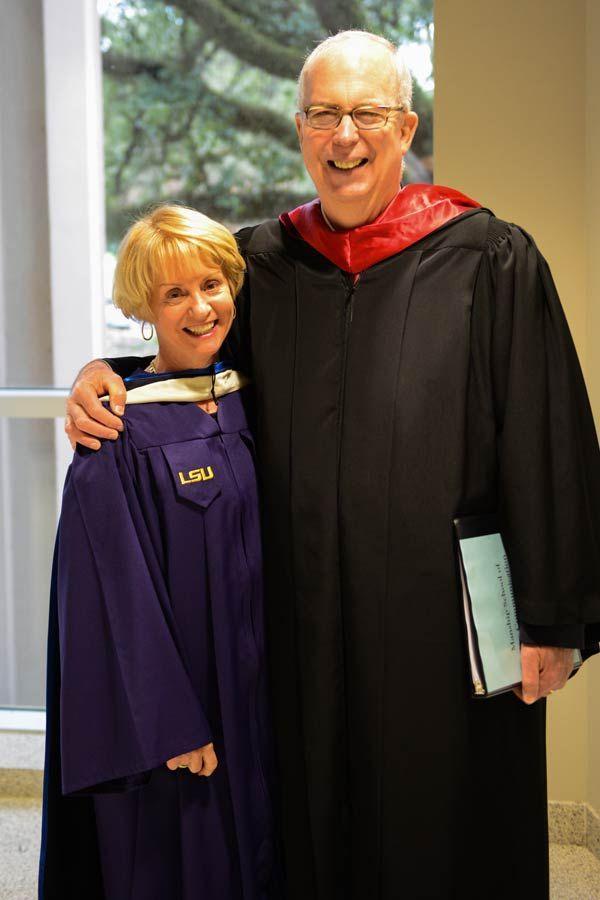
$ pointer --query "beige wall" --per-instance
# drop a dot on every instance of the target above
(517, 127)
(593, 346)
(500, 135)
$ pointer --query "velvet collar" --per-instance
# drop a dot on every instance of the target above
(415, 211)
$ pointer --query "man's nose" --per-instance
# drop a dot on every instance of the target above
(346, 132)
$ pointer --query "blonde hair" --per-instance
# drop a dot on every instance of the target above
(167, 238)
(404, 78)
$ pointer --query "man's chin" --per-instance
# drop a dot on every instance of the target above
(347, 193)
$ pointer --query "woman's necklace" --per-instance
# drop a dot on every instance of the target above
(209, 406)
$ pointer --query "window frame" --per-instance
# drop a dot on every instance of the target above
(76, 213)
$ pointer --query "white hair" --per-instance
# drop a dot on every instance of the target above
(404, 84)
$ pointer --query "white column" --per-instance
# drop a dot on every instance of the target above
(27, 490)
(76, 190)
(7, 624)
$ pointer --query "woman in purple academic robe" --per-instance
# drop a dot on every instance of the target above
(158, 758)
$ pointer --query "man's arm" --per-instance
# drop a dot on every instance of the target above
(548, 463)
(552, 635)
(127, 365)
(86, 418)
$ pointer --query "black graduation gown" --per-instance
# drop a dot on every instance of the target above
(444, 382)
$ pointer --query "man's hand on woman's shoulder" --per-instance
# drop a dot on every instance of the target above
(86, 418)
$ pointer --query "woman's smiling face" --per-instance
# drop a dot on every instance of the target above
(193, 311)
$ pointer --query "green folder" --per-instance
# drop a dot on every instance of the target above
(491, 624)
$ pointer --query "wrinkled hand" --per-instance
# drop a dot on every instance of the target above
(544, 669)
(86, 418)
(201, 762)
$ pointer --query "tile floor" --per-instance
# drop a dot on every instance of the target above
(575, 872)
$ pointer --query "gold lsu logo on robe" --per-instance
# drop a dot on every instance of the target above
(195, 475)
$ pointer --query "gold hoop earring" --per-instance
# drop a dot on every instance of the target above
(151, 331)
(234, 313)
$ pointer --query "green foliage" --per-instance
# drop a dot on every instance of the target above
(199, 98)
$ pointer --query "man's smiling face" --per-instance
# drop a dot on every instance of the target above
(356, 172)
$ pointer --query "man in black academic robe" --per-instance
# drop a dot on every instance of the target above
(412, 363)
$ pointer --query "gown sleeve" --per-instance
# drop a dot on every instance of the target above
(237, 346)
(126, 702)
(548, 455)
(127, 365)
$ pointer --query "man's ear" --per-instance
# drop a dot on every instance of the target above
(409, 126)
(298, 122)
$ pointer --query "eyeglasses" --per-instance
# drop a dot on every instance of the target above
(367, 118)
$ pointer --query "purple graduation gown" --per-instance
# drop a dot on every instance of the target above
(160, 619)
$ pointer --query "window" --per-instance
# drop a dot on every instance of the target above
(51, 242)
(201, 111)
(106, 111)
